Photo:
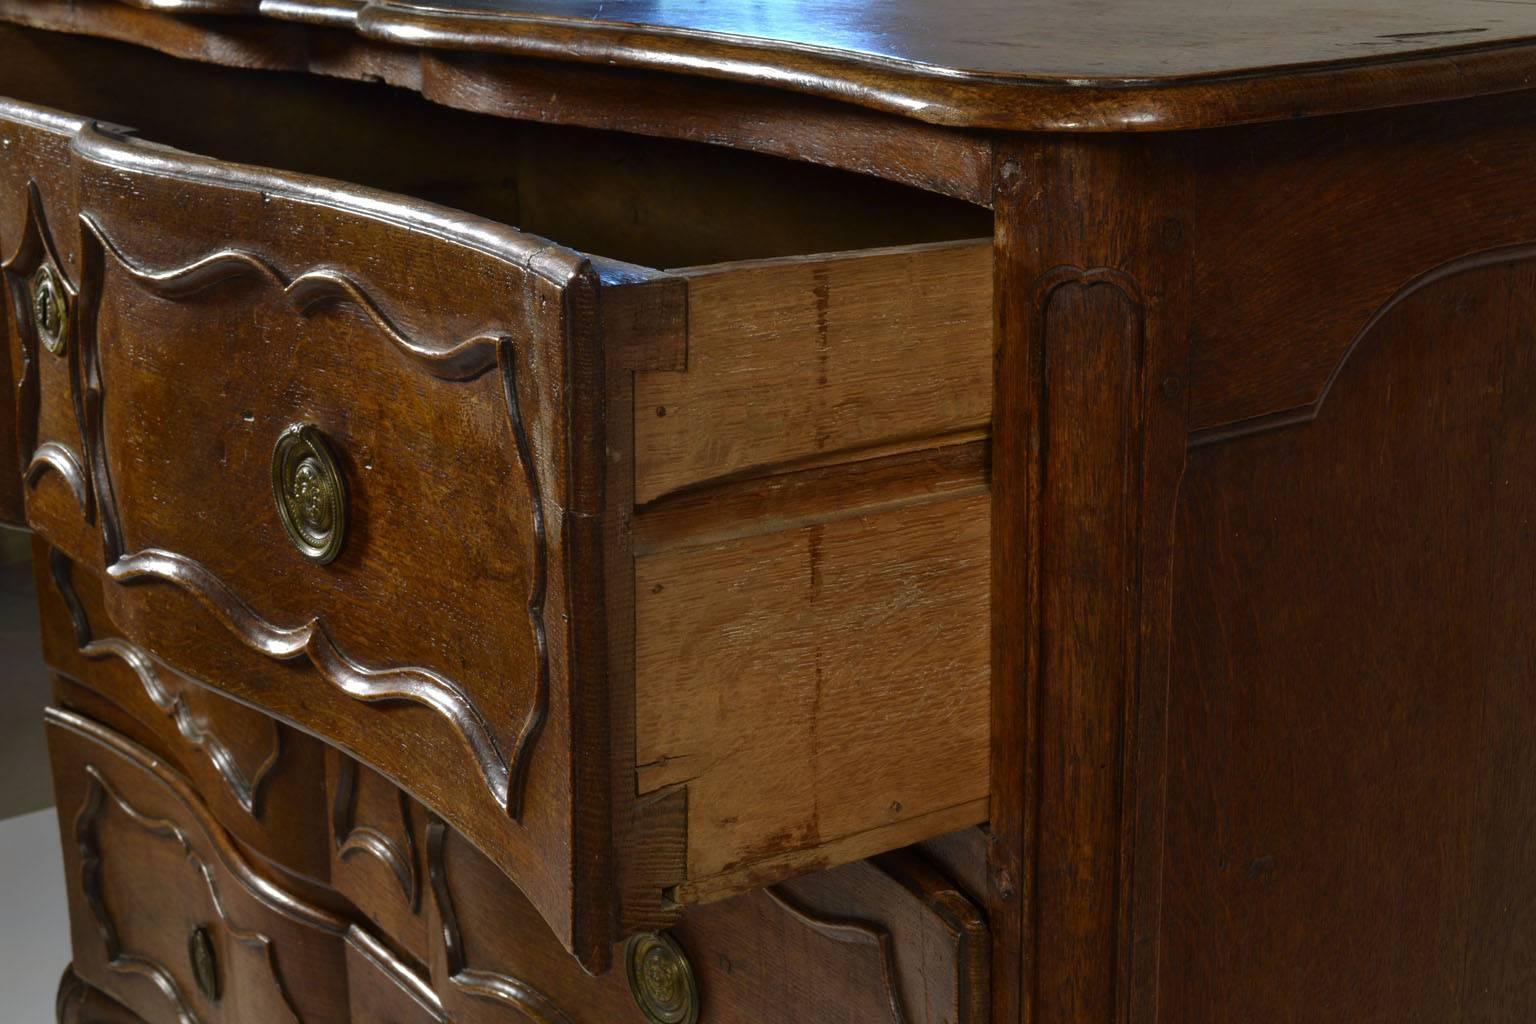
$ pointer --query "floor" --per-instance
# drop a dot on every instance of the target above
(23, 685)
(34, 929)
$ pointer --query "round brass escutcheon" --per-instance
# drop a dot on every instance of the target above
(205, 965)
(661, 979)
(310, 492)
(50, 309)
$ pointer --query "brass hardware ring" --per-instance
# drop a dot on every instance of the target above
(310, 492)
(661, 979)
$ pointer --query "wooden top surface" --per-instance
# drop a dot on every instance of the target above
(1020, 64)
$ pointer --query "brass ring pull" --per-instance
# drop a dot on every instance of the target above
(310, 491)
(661, 979)
(205, 965)
(50, 309)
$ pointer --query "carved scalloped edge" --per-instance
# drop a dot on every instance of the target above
(351, 838)
(311, 640)
(533, 723)
(61, 459)
(247, 791)
(97, 791)
(503, 989)
(33, 250)
(855, 932)
(462, 361)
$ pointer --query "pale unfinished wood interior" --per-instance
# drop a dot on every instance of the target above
(812, 560)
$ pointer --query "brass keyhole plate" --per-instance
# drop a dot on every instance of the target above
(50, 309)
(661, 979)
(310, 492)
(205, 964)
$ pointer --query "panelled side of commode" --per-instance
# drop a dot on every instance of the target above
(1349, 798)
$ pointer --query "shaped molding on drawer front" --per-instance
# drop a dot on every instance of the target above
(47, 443)
(243, 765)
(457, 642)
(464, 360)
(102, 799)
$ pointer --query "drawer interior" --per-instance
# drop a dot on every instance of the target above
(798, 614)
(653, 202)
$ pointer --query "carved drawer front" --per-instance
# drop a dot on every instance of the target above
(889, 941)
(334, 452)
(166, 916)
(657, 586)
(260, 778)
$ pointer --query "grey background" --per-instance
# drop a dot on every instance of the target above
(34, 922)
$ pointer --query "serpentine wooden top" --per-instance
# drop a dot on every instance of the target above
(1066, 65)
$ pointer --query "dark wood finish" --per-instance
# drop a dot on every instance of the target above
(1092, 275)
(256, 774)
(1251, 470)
(1265, 352)
(1051, 66)
(892, 941)
(757, 118)
(376, 842)
(79, 1003)
(1362, 763)
(145, 871)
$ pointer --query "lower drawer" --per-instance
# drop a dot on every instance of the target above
(261, 779)
(171, 921)
(168, 918)
(889, 941)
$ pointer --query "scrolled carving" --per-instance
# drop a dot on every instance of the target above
(246, 785)
(61, 459)
(99, 793)
(489, 985)
(351, 838)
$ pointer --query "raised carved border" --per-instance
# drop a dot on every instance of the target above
(97, 795)
(465, 360)
(1497, 257)
(36, 249)
(498, 988)
(350, 838)
(246, 786)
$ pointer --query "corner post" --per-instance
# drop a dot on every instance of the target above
(1092, 285)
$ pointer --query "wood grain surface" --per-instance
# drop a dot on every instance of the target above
(818, 359)
(1349, 794)
(976, 64)
(813, 684)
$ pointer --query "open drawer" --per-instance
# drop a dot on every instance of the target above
(658, 586)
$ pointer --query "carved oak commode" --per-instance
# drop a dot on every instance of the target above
(765, 512)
